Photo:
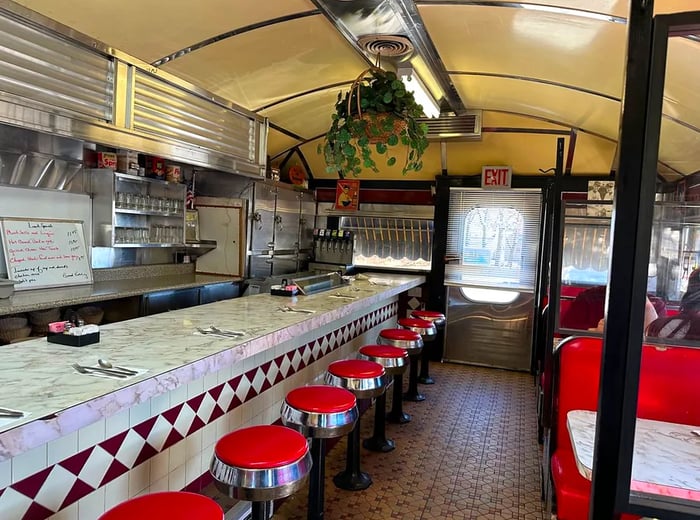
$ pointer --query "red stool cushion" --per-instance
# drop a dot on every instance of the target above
(415, 322)
(321, 399)
(173, 505)
(400, 334)
(261, 447)
(356, 368)
(427, 314)
(383, 351)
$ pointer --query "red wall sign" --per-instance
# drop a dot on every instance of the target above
(496, 177)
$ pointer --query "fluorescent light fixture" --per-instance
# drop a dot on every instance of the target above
(419, 90)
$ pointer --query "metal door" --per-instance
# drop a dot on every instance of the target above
(490, 289)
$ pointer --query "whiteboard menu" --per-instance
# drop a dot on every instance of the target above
(44, 252)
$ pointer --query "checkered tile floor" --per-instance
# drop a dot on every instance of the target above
(470, 452)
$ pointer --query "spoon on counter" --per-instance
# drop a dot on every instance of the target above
(106, 364)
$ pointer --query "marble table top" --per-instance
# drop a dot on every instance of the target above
(36, 376)
(666, 455)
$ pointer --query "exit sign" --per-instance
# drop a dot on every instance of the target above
(496, 177)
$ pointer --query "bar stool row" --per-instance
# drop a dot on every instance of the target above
(263, 463)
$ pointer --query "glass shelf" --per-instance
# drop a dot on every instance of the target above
(150, 245)
(146, 212)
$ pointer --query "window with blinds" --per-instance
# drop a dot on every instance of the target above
(493, 238)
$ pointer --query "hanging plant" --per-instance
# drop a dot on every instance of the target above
(376, 116)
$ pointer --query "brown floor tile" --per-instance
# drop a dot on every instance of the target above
(470, 452)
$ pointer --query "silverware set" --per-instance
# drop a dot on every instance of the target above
(287, 308)
(6, 413)
(114, 371)
(215, 331)
(346, 296)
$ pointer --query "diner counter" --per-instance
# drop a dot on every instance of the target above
(37, 376)
(35, 299)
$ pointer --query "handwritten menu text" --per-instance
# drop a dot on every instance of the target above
(45, 253)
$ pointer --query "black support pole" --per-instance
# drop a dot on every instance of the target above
(631, 234)
(317, 479)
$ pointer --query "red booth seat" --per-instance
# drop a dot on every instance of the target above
(668, 377)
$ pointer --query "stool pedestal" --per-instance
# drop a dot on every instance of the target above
(437, 319)
(394, 360)
(365, 379)
(427, 332)
(412, 343)
(319, 412)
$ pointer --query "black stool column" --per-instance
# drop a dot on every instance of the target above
(397, 415)
(412, 394)
(353, 478)
(316, 479)
(378, 441)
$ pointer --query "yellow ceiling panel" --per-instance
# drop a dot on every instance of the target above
(431, 165)
(155, 28)
(525, 153)
(571, 50)
(593, 155)
(679, 147)
(675, 6)
(278, 142)
(307, 116)
(260, 67)
(681, 93)
(570, 107)
(501, 120)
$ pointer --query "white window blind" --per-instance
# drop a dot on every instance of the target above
(493, 238)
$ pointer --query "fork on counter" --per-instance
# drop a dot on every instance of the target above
(213, 331)
(106, 371)
(6, 413)
(287, 308)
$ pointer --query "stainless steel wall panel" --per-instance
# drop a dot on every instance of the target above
(489, 334)
(39, 66)
(169, 111)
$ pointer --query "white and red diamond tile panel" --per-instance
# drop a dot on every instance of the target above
(131, 462)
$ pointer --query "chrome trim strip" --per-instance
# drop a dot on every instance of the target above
(260, 485)
(231, 34)
(319, 425)
(594, 15)
(362, 387)
(533, 80)
(302, 94)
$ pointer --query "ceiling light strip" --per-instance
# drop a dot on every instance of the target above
(230, 34)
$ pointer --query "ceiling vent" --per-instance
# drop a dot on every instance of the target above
(391, 45)
(466, 127)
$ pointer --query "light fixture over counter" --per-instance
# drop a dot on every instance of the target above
(420, 92)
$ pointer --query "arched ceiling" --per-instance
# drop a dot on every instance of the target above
(538, 70)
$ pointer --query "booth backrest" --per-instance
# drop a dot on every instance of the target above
(669, 386)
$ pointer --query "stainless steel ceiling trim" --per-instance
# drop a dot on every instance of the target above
(15, 111)
(230, 34)
(535, 80)
(425, 47)
(162, 109)
(305, 93)
(513, 130)
(36, 64)
(343, 30)
(594, 15)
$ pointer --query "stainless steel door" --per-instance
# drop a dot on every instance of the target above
(490, 334)
(494, 239)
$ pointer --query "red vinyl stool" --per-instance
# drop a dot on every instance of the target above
(260, 464)
(427, 332)
(437, 319)
(365, 379)
(395, 361)
(319, 412)
(173, 505)
(412, 343)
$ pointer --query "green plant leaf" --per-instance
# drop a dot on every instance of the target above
(393, 140)
(349, 150)
(391, 161)
(381, 148)
(387, 97)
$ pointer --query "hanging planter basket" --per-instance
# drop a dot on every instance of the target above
(375, 115)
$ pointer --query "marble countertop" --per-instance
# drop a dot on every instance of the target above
(666, 455)
(37, 377)
(23, 301)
